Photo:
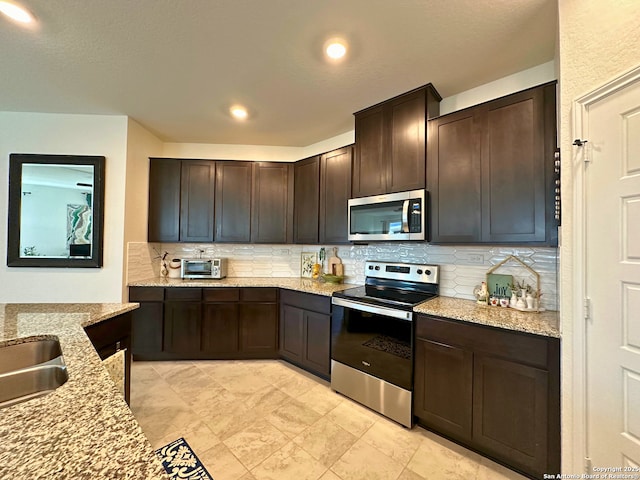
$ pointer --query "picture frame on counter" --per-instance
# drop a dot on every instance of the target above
(307, 261)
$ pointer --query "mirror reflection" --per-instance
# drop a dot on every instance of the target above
(56, 210)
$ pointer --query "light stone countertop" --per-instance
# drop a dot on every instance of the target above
(84, 429)
(292, 283)
(543, 323)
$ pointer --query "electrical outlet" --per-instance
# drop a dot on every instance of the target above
(284, 251)
(475, 258)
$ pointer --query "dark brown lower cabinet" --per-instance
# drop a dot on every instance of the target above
(181, 327)
(110, 336)
(259, 329)
(510, 412)
(147, 320)
(305, 331)
(445, 404)
(492, 390)
(220, 331)
(205, 323)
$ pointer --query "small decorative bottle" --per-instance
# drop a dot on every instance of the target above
(514, 299)
(529, 300)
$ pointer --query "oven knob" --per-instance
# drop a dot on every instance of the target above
(370, 267)
(427, 272)
(377, 267)
(419, 271)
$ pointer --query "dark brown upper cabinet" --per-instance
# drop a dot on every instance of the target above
(390, 152)
(272, 203)
(306, 200)
(181, 195)
(197, 188)
(322, 190)
(490, 171)
(233, 201)
(335, 192)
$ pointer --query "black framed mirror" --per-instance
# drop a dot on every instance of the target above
(56, 211)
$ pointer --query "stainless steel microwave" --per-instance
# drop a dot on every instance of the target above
(200, 268)
(392, 217)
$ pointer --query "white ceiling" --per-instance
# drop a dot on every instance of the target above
(176, 66)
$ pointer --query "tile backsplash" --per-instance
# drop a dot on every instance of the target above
(461, 268)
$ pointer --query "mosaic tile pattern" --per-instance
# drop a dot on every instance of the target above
(461, 267)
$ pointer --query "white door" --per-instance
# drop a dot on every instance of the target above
(612, 246)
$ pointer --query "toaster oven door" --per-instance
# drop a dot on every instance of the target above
(196, 268)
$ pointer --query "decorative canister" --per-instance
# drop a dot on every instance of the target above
(174, 268)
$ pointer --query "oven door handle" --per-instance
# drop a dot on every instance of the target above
(366, 307)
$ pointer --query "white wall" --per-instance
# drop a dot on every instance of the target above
(263, 153)
(598, 42)
(140, 146)
(503, 86)
(73, 135)
(499, 88)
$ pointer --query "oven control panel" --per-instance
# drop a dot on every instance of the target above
(413, 272)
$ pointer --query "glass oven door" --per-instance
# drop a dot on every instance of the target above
(374, 343)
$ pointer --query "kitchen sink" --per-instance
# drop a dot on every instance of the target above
(30, 370)
(28, 354)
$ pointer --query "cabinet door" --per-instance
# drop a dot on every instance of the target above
(164, 200)
(196, 201)
(272, 209)
(146, 328)
(317, 342)
(233, 202)
(292, 333)
(182, 327)
(370, 163)
(335, 191)
(454, 178)
(510, 412)
(513, 168)
(113, 335)
(443, 387)
(259, 329)
(406, 149)
(220, 328)
(306, 200)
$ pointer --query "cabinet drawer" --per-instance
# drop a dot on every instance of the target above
(183, 294)
(146, 294)
(306, 301)
(259, 294)
(221, 294)
(520, 347)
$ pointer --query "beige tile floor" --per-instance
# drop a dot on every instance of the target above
(268, 420)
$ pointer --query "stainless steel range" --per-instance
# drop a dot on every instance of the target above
(372, 336)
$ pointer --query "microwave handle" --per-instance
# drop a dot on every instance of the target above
(405, 216)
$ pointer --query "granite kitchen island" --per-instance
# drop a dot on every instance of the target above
(84, 429)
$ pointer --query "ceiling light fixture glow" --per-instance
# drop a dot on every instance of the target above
(239, 112)
(336, 50)
(16, 12)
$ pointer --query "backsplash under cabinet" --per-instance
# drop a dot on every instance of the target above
(462, 268)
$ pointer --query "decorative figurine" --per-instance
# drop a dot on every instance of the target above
(481, 293)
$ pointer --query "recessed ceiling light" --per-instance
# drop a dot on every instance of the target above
(239, 112)
(335, 48)
(16, 12)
